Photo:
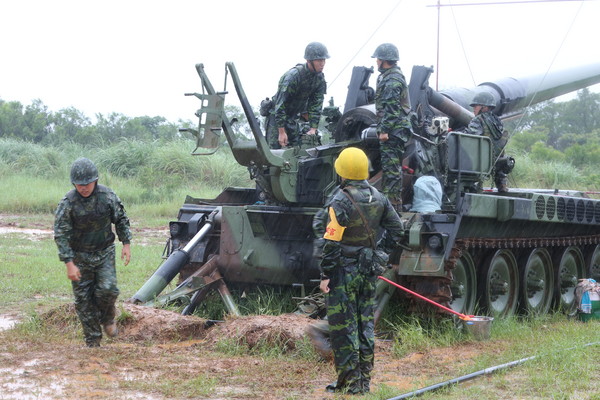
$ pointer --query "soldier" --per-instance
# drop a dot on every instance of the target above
(393, 115)
(487, 123)
(350, 264)
(299, 100)
(85, 240)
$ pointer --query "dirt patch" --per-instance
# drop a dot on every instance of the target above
(136, 323)
(161, 355)
(139, 323)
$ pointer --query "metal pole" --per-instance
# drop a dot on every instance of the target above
(471, 376)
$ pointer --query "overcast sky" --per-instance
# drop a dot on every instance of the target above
(137, 57)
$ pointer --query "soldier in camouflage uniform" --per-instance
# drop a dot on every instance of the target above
(393, 114)
(350, 266)
(298, 102)
(85, 240)
(488, 124)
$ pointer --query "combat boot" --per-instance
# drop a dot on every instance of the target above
(502, 186)
(319, 337)
(111, 329)
(397, 204)
(92, 342)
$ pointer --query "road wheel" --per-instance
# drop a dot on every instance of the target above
(499, 284)
(536, 275)
(464, 285)
(568, 269)
(593, 264)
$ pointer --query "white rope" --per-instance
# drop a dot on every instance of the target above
(366, 42)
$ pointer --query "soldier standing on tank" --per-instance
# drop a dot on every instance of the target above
(350, 266)
(394, 128)
(488, 124)
(298, 101)
(85, 240)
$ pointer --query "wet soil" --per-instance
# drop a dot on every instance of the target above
(160, 354)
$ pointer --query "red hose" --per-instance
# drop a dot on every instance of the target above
(462, 316)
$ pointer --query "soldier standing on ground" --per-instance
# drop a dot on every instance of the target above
(85, 240)
(393, 115)
(488, 124)
(350, 265)
(299, 100)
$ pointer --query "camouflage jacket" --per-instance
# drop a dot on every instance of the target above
(85, 224)
(488, 124)
(300, 91)
(376, 209)
(392, 103)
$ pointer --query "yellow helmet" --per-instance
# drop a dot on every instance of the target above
(352, 163)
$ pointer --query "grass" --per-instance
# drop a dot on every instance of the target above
(33, 275)
(34, 281)
(33, 179)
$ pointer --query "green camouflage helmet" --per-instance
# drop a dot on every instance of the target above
(315, 51)
(483, 99)
(386, 52)
(83, 172)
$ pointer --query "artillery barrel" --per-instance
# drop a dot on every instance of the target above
(513, 95)
(170, 268)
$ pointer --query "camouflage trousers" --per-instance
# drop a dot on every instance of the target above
(293, 128)
(96, 292)
(392, 153)
(350, 312)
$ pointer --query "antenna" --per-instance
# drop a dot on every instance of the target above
(439, 5)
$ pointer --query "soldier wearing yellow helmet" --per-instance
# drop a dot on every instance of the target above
(349, 226)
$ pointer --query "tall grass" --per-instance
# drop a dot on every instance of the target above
(529, 172)
(156, 176)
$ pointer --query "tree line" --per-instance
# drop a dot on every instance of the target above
(562, 131)
(566, 131)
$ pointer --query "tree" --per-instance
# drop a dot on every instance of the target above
(37, 122)
(71, 125)
(11, 119)
(580, 116)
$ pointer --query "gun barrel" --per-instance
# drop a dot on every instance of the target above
(170, 268)
(513, 95)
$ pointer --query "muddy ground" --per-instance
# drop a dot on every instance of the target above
(160, 354)
(158, 350)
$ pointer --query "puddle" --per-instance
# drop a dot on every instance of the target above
(7, 322)
(11, 229)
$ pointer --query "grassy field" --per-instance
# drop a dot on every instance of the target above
(153, 180)
(416, 354)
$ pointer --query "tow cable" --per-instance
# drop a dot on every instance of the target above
(467, 377)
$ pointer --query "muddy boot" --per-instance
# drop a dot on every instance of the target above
(501, 181)
(110, 326)
(111, 329)
(332, 388)
(366, 386)
(397, 204)
(92, 342)
(319, 337)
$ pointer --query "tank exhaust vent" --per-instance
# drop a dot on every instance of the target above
(540, 206)
(570, 210)
(589, 211)
(561, 208)
(551, 208)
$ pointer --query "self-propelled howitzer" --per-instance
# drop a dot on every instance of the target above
(495, 250)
